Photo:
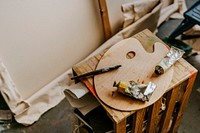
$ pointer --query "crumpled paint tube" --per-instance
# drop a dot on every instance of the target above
(172, 56)
(141, 92)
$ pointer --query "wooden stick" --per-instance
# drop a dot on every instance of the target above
(105, 18)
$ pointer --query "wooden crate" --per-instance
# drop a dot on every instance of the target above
(165, 114)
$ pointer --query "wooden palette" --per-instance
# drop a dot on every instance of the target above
(137, 65)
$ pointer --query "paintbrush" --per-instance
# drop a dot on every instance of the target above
(95, 72)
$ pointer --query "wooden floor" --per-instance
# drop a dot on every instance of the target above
(62, 120)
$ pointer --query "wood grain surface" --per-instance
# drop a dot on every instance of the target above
(140, 69)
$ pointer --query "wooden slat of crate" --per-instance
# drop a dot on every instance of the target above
(183, 102)
(182, 71)
(153, 116)
(170, 104)
(120, 127)
(138, 121)
(105, 18)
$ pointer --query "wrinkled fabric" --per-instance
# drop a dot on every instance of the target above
(143, 23)
(172, 9)
(29, 111)
(10, 92)
(193, 41)
(136, 10)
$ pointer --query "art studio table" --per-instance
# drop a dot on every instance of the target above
(162, 116)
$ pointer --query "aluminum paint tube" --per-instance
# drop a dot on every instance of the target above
(172, 56)
(141, 92)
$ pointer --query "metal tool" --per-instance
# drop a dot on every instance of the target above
(95, 72)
